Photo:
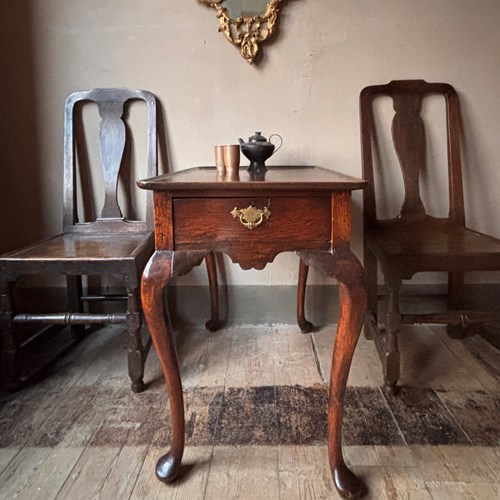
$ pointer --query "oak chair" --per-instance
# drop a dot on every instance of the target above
(415, 241)
(108, 244)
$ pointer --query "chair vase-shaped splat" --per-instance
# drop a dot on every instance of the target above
(416, 241)
(112, 145)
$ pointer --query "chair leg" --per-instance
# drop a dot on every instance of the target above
(9, 347)
(370, 265)
(456, 302)
(304, 325)
(391, 360)
(74, 288)
(136, 350)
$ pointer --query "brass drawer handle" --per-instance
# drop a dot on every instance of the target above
(251, 217)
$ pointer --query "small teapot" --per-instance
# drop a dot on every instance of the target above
(258, 149)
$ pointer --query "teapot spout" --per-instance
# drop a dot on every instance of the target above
(241, 141)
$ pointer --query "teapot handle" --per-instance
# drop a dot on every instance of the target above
(281, 141)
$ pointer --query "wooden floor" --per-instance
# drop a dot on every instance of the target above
(74, 461)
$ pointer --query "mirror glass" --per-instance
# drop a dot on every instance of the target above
(246, 23)
(245, 8)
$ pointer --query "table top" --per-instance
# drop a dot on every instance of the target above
(279, 178)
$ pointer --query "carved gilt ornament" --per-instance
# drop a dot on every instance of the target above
(247, 32)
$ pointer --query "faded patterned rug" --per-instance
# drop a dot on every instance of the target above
(101, 416)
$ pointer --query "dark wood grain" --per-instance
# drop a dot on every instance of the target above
(199, 220)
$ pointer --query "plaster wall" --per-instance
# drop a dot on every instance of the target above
(305, 88)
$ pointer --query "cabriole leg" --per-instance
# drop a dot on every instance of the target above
(343, 265)
(155, 278)
(161, 268)
(304, 325)
(215, 322)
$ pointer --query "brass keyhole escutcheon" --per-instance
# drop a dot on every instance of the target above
(251, 217)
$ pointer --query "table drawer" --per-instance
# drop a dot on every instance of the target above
(301, 219)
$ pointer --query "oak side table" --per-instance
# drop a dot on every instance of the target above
(302, 209)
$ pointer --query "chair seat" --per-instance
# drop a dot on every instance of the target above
(432, 245)
(81, 253)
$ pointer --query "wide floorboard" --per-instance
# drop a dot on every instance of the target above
(255, 399)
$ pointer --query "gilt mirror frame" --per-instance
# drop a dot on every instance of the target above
(246, 32)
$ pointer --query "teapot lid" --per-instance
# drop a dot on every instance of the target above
(257, 137)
